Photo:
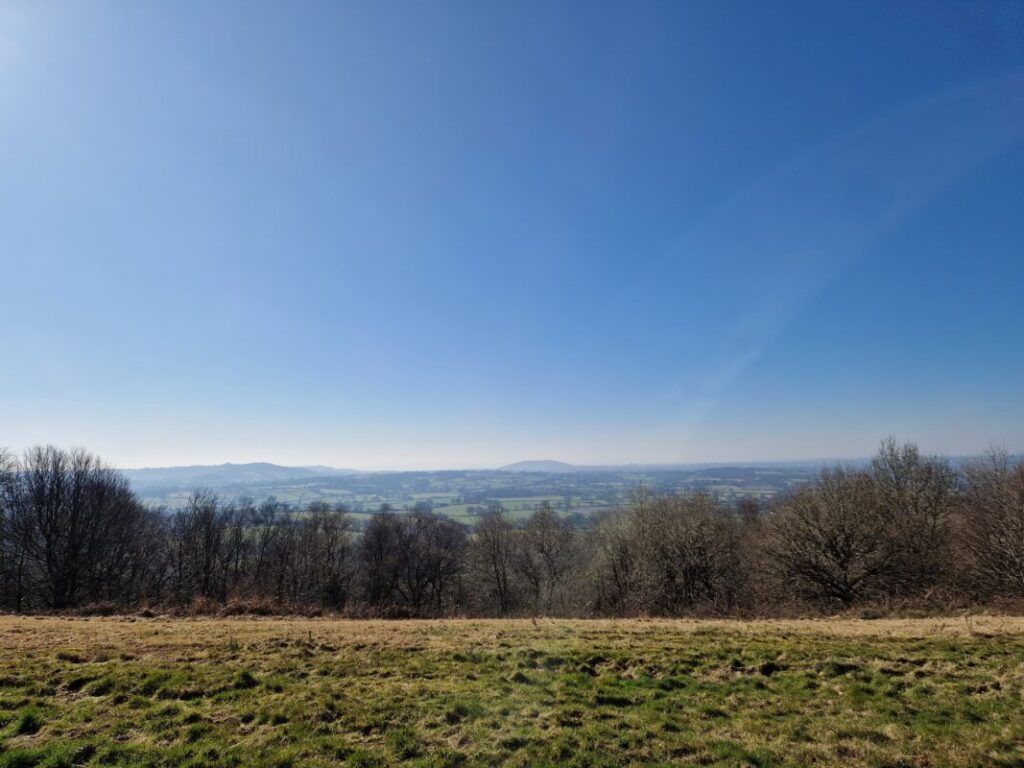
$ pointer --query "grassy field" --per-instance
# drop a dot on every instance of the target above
(208, 692)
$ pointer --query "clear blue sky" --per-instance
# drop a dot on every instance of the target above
(428, 234)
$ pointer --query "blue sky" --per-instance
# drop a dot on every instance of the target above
(417, 235)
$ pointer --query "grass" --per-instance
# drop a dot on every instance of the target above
(270, 692)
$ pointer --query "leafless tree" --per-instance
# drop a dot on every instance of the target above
(492, 551)
(412, 563)
(264, 531)
(916, 496)
(76, 524)
(830, 541)
(12, 550)
(685, 544)
(379, 559)
(669, 555)
(615, 566)
(545, 557)
(323, 563)
(993, 525)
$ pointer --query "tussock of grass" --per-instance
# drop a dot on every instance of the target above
(273, 692)
(29, 722)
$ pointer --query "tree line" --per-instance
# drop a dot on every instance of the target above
(905, 530)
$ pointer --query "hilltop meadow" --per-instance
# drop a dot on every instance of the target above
(314, 692)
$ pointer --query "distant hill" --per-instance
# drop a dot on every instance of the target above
(144, 481)
(551, 467)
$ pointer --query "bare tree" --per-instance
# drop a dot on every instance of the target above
(993, 529)
(829, 542)
(614, 567)
(545, 557)
(916, 496)
(444, 548)
(237, 546)
(669, 555)
(265, 529)
(684, 543)
(491, 554)
(75, 524)
(12, 550)
(196, 547)
(323, 561)
(379, 559)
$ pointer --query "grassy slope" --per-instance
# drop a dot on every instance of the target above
(316, 692)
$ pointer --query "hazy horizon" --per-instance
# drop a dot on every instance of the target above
(748, 461)
(460, 236)
(501, 466)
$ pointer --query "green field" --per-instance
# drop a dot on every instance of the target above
(247, 692)
(518, 508)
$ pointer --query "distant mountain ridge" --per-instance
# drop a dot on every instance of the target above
(223, 475)
(545, 465)
(560, 467)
